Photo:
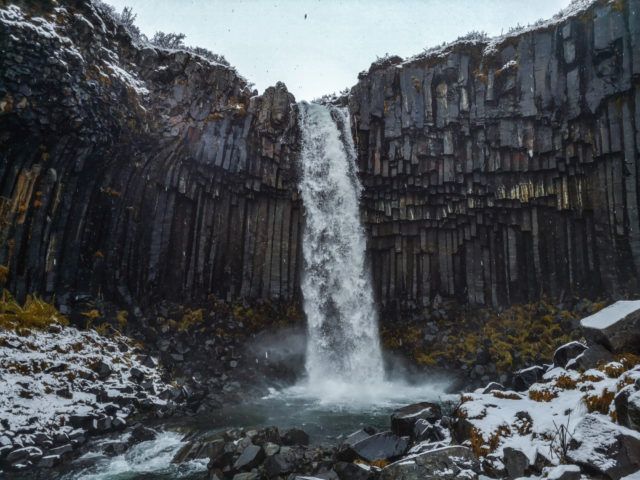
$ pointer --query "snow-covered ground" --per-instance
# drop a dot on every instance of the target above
(47, 376)
(533, 421)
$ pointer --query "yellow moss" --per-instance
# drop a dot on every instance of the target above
(613, 369)
(542, 394)
(121, 318)
(628, 360)
(566, 382)
(91, 314)
(34, 313)
(599, 403)
(506, 395)
(190, 319)
(4, 274)
(111, 192)
(590, 378)
(103, 329)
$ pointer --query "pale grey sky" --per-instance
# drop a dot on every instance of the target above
(270, 40)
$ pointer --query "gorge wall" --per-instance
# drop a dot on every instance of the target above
(494, 171)
(137, 172)
(498, 171)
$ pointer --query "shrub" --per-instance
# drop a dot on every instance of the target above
(599, 403)
(4, 274)
(34, 313)
(566, 382)
(542, 394)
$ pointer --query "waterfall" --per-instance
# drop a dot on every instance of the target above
(343, 343)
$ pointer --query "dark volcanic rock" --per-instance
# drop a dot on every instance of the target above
(381, 446)
(146, 171)
(515, 462)
(442, 464)
(616, 327)
(295, 436)
(567, 352)
(251, 456)
(524, 378)
(474, 159)
(403, 419)
(605, 449)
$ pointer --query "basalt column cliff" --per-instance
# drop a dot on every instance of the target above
(139, 172)
(499, 171)
(494, 171)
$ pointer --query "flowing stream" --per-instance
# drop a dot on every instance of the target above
(343, 342)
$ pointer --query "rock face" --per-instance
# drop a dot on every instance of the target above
(136, 171)
(500, 171)
(616, 327)
(493, 171)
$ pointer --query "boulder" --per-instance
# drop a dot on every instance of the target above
(593, 356)
(49, 461)
(425, 431)
(621, 403)
(251, 457)
(633, 410)
(604, 448)
(246, 476)
(403, 419)
(564, 472)
(567, 352)
(278, 464)
(381, 446)
(616, 327)
(516, 462)
(449, 463)
(493, 386)
(196, 449)
(351, 471)
(345, 452)
(524, 378)
(295, 436)
(142, 434)
(22, 455)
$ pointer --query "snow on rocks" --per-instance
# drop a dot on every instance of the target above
(616, 327)
(566, 416)
(59, 386)
(603, 447)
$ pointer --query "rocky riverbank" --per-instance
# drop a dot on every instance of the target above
(576, 418)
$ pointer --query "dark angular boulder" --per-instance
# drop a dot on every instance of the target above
(251, 457)
(567, 352)
(616, 327)
(593, 356)
(381, 446)
(516, 462)
(295, 436)
(449, 463)
(142, 434)
(403, 419)
(351, 471)
(524, 378)
(604, 448)
(278, 464)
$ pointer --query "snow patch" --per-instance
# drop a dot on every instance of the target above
(610, 315)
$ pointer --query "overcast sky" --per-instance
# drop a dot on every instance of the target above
(271, 40)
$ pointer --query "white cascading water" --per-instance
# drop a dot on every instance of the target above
(343, 343)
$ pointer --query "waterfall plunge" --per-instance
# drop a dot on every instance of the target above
(343, 344)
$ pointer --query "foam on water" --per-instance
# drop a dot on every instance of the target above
(151, 457)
